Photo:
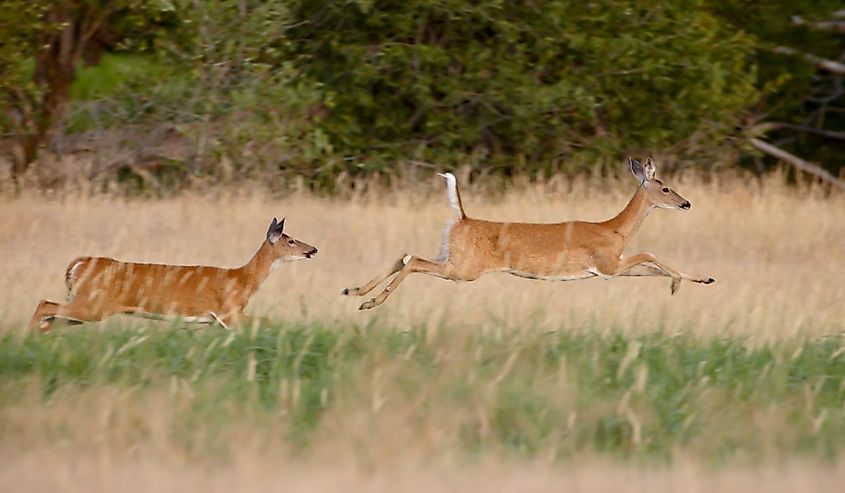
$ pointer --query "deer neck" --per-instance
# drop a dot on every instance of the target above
(627, 222)
(255, 272)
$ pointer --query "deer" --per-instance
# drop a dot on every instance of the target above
(563, 251)
(99, 287)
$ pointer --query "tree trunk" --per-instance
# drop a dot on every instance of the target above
(55, 66)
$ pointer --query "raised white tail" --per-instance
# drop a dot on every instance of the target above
(453, 194)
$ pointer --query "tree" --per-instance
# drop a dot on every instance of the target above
(799, 51)
(43, 44)
(22, 24)
(522, 82)
(834, 71)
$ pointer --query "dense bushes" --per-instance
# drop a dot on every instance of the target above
(320, 88)
(501, 83)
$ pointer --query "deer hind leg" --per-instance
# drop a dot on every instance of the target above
(225, 321)
(48, 311)
(366, 288)
(229, 320)
(243, 320)
(42, 318)
(411, 264)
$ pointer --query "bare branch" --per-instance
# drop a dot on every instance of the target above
(90, 25)
(831, 66)
(797, 162)
(829, 25)
(770, 126)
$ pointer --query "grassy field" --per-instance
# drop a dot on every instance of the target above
(516, 392)
(513, 383)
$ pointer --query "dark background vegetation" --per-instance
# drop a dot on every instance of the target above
(168, 93)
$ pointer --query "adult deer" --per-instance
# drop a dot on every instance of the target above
(98, 287)
(552, 252)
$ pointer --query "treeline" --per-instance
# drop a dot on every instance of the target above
(216, 90)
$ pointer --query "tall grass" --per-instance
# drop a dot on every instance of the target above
(499, 373)
(511, 393)
(776, 255)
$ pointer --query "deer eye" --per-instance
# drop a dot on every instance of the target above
(665, 190)
(291, 242)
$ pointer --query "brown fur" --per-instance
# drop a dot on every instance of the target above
(562, 251)
(99, 287)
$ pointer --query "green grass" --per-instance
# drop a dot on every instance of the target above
(125, 88)
(113, 74)
(513, 392)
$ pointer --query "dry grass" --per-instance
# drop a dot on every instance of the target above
(109, 452)
(50, 472)
(777, 255)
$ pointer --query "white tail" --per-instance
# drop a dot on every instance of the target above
(99, 287)
(553, 252)
(453, 194)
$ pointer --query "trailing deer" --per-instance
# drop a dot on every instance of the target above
(98, 287)
(551, 252)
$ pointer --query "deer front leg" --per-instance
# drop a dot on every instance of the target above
(646, 264)
(366, 288)
(411, 264)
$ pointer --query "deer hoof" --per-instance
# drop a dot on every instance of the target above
(367, 305)
(676, 283)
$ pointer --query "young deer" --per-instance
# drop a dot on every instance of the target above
(552, 252)
(99, 287)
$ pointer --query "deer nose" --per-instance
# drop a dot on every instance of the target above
(686, 205)
(312, 252)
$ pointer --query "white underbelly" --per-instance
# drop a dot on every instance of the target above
(202, 319)
(563, 277)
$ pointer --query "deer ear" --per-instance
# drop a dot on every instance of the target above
(649, 169)
(637, 169)
(275, 231)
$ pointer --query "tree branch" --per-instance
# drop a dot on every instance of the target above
(829, 25)
(90, 25)
(797, 162)
(770, 126)
(831, 66)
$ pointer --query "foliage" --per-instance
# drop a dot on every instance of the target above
(45, 52)
(21, 23)
(233, 51)
(217, 80)
(522, 82)
(319, 89)
(770, 23)
(795, 91)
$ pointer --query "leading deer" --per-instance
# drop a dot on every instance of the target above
(98, 287)
(552, 252)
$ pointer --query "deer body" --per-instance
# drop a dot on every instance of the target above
(99, 287)
(477, 247)
(553, 252)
